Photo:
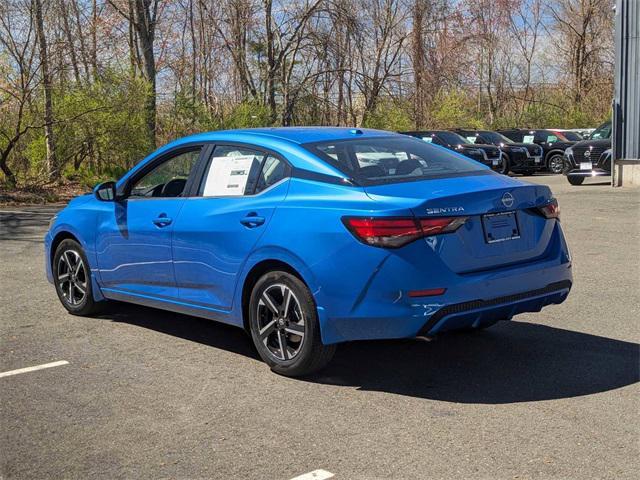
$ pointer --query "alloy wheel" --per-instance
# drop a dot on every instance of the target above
(281, 325)
(504, 166)
(556, 164)
(72, 277)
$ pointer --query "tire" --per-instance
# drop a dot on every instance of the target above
(555, 164)
(575, 180)
(72, 279)
(288, 341)
(504, 168)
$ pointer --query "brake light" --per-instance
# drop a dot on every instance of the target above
(432, 292)
(397, 232)
(551, 210)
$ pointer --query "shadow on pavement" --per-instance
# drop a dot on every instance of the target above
(510, 362)
(25, 226)
(207, 332)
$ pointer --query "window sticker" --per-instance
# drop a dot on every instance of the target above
(527, 139)
(427, 139)
(471, 139)
(228, 175)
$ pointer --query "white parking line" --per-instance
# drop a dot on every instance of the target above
(37, 367)
(315, 475)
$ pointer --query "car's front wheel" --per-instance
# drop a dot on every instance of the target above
(72, 277)
(284, 325)
(556, 164)
(504, 165)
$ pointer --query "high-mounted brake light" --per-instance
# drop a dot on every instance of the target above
(396, 232)
(551, 210)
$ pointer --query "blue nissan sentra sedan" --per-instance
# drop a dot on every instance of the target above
(308, 237)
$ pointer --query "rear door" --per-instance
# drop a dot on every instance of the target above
(216, 230)
(134, 239)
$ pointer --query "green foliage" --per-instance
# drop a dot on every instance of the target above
(452, 109)
(100, 128)
(184, 116)
(390, 116)
(247, 115)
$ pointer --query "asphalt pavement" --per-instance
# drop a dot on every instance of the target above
(151, 394)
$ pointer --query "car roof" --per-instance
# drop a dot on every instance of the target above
(286, 141)
(297, 135)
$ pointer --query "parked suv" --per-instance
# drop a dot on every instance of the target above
(589, 158)
(553, 145)
(524, 158)
(486, 154)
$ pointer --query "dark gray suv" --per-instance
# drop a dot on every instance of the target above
(589, 158)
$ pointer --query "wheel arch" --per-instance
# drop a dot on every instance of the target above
(550, 154)
(58, 239)
(254, 274)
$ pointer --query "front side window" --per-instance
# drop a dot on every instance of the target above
(167, 179)
(375, 161)
(603, 131)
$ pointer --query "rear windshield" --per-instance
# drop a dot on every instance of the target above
(375, 161)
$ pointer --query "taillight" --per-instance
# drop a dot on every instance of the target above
(550, 210)
(395, 232)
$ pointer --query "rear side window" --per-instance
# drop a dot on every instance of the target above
(380, 160)
(547, 137)
(232, 171)
(235, 171)
(273, 170)
(516, 137)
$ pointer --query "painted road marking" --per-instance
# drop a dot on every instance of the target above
(40, 367)
(315, 475)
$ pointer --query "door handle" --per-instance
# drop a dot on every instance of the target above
(162, 220)
(252, 220)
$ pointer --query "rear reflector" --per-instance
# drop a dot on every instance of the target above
(551, 210)
(432, 292)
(395, 232)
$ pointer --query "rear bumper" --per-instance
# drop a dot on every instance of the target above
(477, 313)
(384, 309)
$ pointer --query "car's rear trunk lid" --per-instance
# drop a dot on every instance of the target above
(517, 234)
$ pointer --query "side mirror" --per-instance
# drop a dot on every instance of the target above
(105, 191)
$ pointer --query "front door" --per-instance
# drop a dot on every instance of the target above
(134, 240)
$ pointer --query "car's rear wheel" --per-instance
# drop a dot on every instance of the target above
(573, 180)
(72, 278)
(284, 325)
(556, 164)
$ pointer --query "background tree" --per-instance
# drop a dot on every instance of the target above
(89, 87)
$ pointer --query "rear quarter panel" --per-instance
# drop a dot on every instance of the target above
(307, 233)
